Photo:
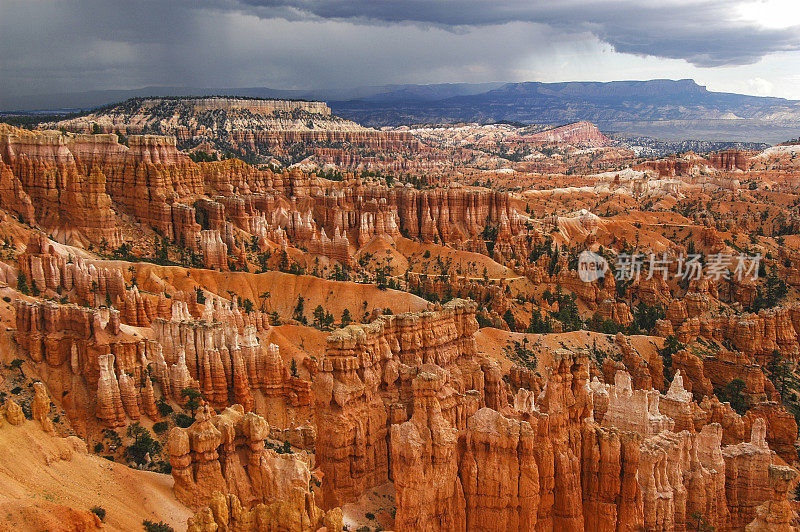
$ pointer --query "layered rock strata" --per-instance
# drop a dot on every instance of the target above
(364, 384)
(463, 456)
(229, 366)
(264, 490)
(87, 360)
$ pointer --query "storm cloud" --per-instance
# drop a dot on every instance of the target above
(705, 33)
(49, 46)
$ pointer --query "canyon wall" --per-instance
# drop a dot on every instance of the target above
(220, 462)
(407, 399)
(86, 189)
(364, 384)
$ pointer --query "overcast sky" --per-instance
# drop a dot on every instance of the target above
(49, 46)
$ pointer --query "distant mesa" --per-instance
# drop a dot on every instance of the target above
(254, 105)
(253, 129)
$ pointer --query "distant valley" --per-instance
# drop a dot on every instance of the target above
(668, 110)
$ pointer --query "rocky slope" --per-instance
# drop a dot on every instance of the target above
(52, 483)
(577, 134)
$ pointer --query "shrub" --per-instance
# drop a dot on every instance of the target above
(163, 408)
(161, 526)
(17, 365)
(99, 511)
(143, 444)
(299, 309)
(22, 284)
(192, 399)
(98, 447)
(732, 393)
(645, 316)
(508, 317)
(112, 435)
(538, 324)
(183, 421)
(160, 427)
(671, 347)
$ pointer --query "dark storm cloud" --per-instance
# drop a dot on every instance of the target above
(49, 46)
(703, 32)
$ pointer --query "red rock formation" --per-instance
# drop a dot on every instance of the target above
(781, 428)
(424, 450)
(46, 175)
(730, 160)
(13, 412)
(366, 376)
(54, 274)
(85, 360)
(72, 182)
(215, 252)
(136, 309)
(757, 336)
(746, 475)
(109, 399)
(680, 474)
(616, 311)
(677, 404)
(669, 167)
(226, 451)
(504, 497)
(695, 379)
(488, 295)
(776, 514)
(229, 364)
(82, 176)
(578, 134)
(13, 197)
(587, 477)
(265, 127)
(713, 411)
(225, 512)
(635, 410)
(40, 407)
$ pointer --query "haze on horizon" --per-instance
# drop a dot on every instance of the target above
(54, 46)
